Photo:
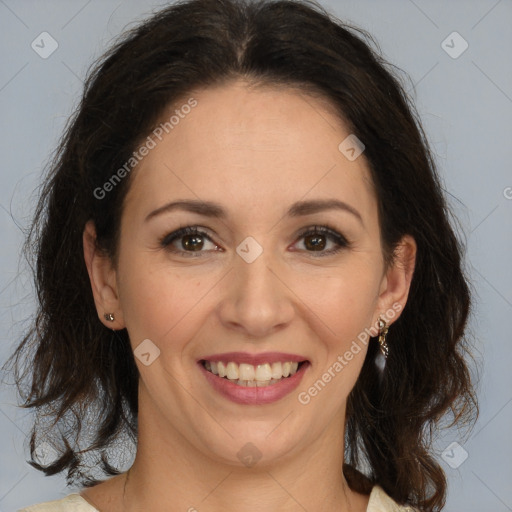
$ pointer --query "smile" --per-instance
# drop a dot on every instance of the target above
(253, 378)
(249, 375)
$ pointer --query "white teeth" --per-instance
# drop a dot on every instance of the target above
(250, 376)
(263, 372)
(232, 371)
(246, 372)
(277, 370)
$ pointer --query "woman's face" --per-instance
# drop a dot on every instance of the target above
(286, 266)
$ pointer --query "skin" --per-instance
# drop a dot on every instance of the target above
(255, 151)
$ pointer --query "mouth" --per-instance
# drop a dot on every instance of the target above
(253, 379)
(249, 375)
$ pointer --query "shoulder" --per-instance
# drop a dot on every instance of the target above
(71, 503)
(380, 502)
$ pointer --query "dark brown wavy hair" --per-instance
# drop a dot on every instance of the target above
(81, 377)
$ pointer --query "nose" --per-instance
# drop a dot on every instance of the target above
(257, 302)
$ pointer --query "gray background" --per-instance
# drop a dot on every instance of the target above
(466, 107)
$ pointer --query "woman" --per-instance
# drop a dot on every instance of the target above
(245, 263)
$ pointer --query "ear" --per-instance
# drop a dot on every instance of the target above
(103, 280)
(396, 282)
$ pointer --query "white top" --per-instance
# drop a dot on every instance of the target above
(379, 502)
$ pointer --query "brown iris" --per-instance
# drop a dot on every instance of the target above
(192, 242)
(315, 242)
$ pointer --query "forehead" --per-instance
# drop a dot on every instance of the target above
(251, 146)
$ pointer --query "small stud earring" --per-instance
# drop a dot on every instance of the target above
(109, 317)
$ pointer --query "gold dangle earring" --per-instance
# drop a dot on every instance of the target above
(383, 332)
(382, 355)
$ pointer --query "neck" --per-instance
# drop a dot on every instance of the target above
(165, 475)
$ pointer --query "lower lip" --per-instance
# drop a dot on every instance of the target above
(255, 395)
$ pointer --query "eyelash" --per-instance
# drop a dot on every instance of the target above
(340, 241)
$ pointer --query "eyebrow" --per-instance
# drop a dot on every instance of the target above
(215, 210)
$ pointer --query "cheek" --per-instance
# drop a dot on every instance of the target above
(160, 303)
(344, 299)
(338, 310)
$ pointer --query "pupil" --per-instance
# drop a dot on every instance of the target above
(193, 242)
(315, 242)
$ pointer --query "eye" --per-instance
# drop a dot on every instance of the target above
(187, 241)
(190, 241)
(318, 238)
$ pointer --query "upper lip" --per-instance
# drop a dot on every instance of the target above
(254, 359)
